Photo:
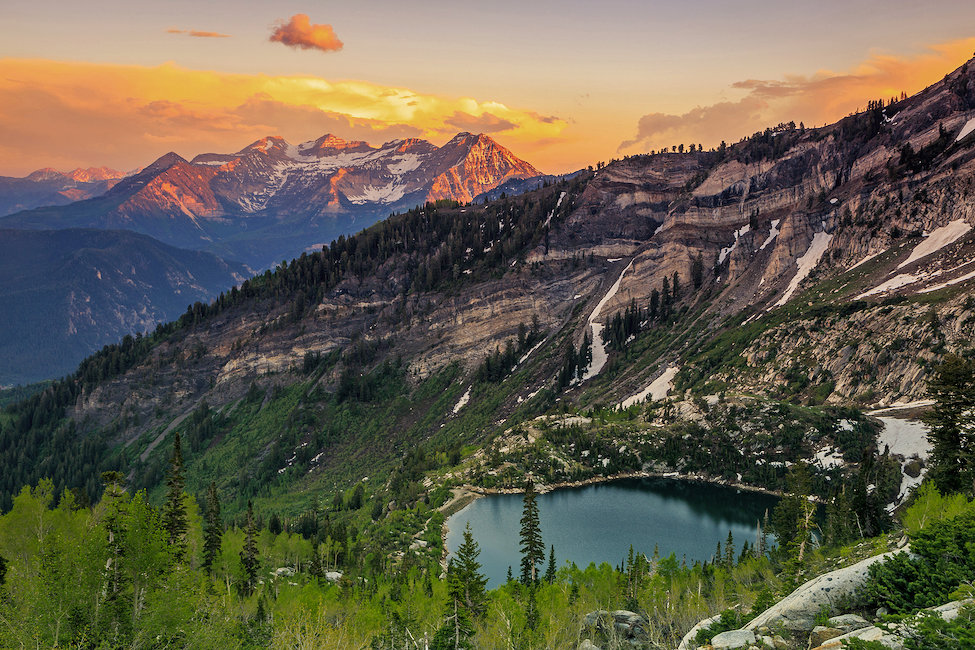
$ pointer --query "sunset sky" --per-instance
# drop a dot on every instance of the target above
(562, 83)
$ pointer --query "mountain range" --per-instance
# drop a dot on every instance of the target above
(268, 202)
(799, 271)
(273, 200)
(50, 187)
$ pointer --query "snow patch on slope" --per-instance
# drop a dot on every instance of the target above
(462, 402)
(725, 252)
(599, 355)
(961, 278)
(389, 193)
(938, 239)
(772, 234)
(405, 163)
(906, 438)
(657, 390)
(896, 282)
(806, 264)
(968, 128)
(866, 259)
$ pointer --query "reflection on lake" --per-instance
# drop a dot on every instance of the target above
(598, 523)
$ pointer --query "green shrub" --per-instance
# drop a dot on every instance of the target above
(943, 558)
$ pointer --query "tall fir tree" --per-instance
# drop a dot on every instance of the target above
(530, 536)
(951, 424)
(212, 528)
(248, 555)
(174, 510)
(457, 631)
(468, 570)
(551, 569)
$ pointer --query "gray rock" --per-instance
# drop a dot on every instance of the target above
(949, 611)
(821, 634)
(620, 624)
(848, 622)
(687, 642)
(871, 633)
(798, 610)
(588, 645)
(733, 639)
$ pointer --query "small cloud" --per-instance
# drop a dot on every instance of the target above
(298, 32)
(197, 33)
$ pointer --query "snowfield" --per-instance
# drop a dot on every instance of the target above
(938, 239)
(462, 402)
(968, 128)
(598, 349)
(657, 390)
(806, 264)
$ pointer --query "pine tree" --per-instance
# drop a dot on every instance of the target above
(531, 608)
(248, 555)
(952, 425)
(468, 570)
(532, 549)
(212, 528)
(729, 551)
(456, 631)
(550, 571)
(174, 510)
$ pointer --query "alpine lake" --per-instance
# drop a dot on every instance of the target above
(599, 523)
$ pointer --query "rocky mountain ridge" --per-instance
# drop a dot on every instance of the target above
(51, 187)
(273, 200)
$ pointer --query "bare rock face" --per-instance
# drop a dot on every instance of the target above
(798, 610)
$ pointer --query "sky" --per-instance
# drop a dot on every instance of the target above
(563, 84)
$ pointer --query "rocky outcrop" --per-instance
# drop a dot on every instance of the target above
(798, 610)
(620, 628)
(732, 640)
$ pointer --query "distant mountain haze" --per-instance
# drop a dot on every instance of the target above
(66, 293)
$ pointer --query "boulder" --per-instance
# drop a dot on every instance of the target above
(333, 576)
(688, 641)
(733, 639)
(798, 610)
(949, 611)
(871, 633)
(821, 634)
(587, 645)
(848, 622)
(622, 625)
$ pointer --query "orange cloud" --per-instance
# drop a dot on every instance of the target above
(298, 32)
(68, 115)
(197, 33)
(817, 99)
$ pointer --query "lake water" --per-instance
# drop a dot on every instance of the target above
(598, 523)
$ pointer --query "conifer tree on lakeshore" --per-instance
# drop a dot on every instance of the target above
(532, 548)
